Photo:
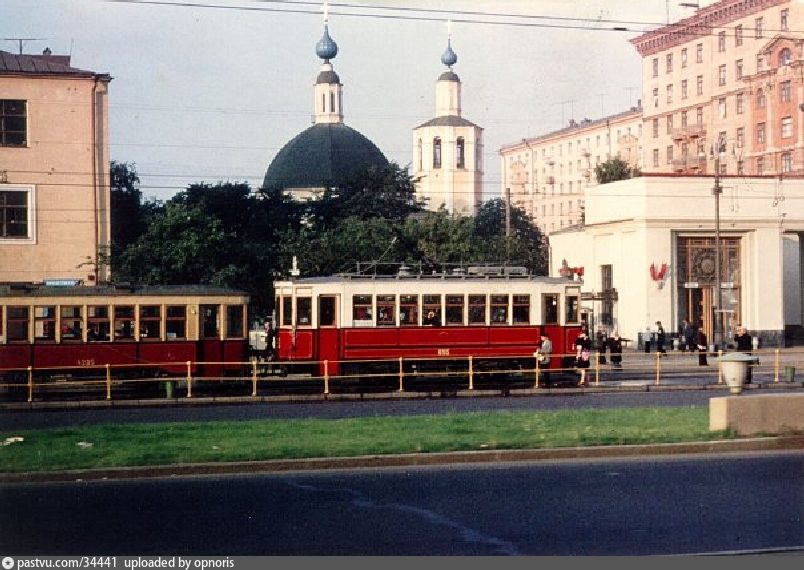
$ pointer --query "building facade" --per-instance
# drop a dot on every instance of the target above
(54, 170)
(448, 150)
(546, 176)
(730, 77)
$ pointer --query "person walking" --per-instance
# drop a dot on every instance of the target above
(543, 358)
(688, 335)
(600, 338)
(583, 346)
(616, 349)
(702, 348)
(745, 344)
(660, 339)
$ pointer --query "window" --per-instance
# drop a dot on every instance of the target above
(499, 309)
(787, 127)
(738, 35)
(14, 214)
(699, 85)
(760, 99)
(655, 128)
(760, 63)
(784, 57)
(669, 124)
(699, 116)
(669, 90)
(783, 16)
(740, 137)
(669, 60)
(572, 314)
(176, 322)
(18, 319)
(683, 119)
(419, 154)
(454, 309)
(758, 25)
(124, 322)
(550, 309)
(655, 157)
(98, 323)
(304, 311)
(408, 310)
(210, 324)
(436, 152)
(721, 107)
(684, 57)
(327, 311)
(721, 74)
(655, 67)
(287, 311)
(386, 310)
(477, 308)
(683, 88)
(332, 101)
(432, 303)
(44, 323)
(72, 325)
(655, 96)
(760, 165)
(761, 133)
(699, 53)
(461, 154)
(13, 122)
(234, 321)
(721, 41)
(738, 69)
(150, 316)
(669, 154)
(787, 162)
(784, 91)
(740, 103)
(361, 309)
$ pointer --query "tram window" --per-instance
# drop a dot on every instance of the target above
(304, 311)
(234, 321)
(361, 308)
(44, 323)
(287, 311)
(18, 324)
(209, 321)
(432, 303)
(1, 324)
(98, 327)
(550, 309)
(124, 322)
(176, 321)
(386, 310)
(521, 311)
(71, 324)
(572, 309)
(477, 309)
(454, 309)
(499, 309)
(408, 310)
(150, 317)
(326, 311)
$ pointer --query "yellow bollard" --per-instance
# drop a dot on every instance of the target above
(776, 366)
(401, 376)
(326, 377)
(658, 367)
(471, 374)
(30, 383)
(254, 378)
(108, 381)
(189, 379)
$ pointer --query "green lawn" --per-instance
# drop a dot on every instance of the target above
(190, 442)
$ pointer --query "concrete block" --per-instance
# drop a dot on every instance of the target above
(757, 413)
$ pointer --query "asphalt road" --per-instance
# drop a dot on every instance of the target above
(678, 505)
(26, 419)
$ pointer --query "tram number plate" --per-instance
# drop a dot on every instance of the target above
(443, 352)
(86, 362)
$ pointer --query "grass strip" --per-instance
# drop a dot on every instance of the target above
(116, 445)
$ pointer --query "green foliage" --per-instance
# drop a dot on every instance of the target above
(129, 215)
(614, 169)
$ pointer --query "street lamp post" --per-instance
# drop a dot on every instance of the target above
(716, 190)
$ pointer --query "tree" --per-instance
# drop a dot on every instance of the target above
(614, 169)
(129, 215)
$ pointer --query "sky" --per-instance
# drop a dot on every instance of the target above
(210, 90)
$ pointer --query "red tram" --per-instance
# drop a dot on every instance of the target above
(482, 312)
(143, 330)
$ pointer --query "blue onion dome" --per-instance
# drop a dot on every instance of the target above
(326, 48)
(449, 58)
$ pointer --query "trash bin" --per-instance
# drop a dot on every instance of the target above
(169, 385)
(789, 373)
(734, 367)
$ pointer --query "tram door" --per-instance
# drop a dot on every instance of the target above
(328, 339)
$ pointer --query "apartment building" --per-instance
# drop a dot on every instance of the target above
(54, 170)
(546, 175)
(730, 79)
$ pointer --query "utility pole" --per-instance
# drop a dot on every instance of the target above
(717, 190)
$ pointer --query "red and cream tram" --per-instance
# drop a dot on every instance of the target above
(139, 328)
(480, 312)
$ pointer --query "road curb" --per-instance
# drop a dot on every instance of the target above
(781, 443)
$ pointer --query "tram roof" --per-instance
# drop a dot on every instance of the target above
(352, 278)
(117, 290)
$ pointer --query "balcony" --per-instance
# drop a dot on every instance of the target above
(689, 132)
(688, 163)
